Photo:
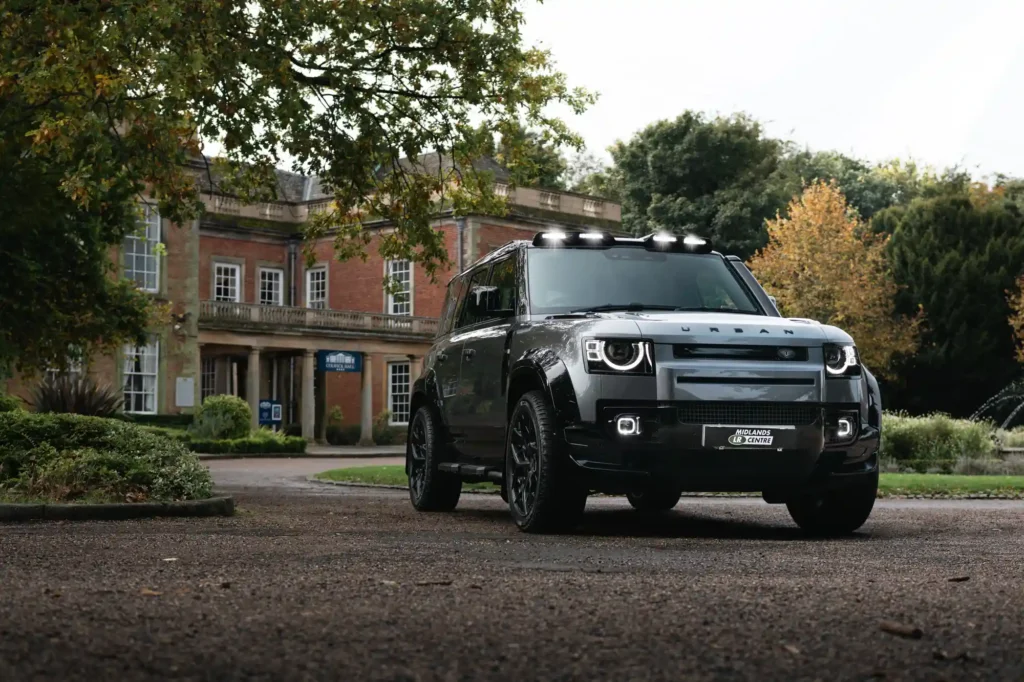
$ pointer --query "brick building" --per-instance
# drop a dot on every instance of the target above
(247, 312)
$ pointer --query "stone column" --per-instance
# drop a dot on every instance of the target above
(252, 386)
(366, 415)
(308, 398)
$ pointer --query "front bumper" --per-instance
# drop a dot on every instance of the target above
(671, 447)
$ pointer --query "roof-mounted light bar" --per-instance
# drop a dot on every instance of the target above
(663, 241)
(557, 238)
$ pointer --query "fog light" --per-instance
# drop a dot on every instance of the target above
(628, 425)
(844, 428)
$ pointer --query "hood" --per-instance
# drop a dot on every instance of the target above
(722, 328)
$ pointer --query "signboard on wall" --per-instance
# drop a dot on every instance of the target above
(270, 412)
(184, 392)
(339, 361)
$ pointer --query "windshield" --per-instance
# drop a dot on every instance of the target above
(629, 278)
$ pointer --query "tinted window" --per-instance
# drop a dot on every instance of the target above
(451, 302)
(562, 280)
(503, 278)
(465, 312)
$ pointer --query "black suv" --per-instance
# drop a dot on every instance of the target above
(584, 362)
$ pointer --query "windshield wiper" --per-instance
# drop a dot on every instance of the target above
(630, 307)
(708, 309)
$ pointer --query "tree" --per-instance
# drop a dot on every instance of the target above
(103, 99)
(1015, 299)
(712, 177)
(588, 174)
(532, 158)
(955, 258)
(821, 264)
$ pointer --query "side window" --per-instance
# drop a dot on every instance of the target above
(467, 313)
(503, 278)
(451, 302)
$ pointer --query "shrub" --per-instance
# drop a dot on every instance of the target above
(76, 395)
(1014, 438)
(293, 430)
(255, 444)
(66, 457)
(386, 434)
(935, 442)
(222, 417)
(10, 403)
(167, 421)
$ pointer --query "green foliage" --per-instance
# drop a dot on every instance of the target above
(713, 177)
(935, 443)
(386, 434)
(107, 100)
(220, 417)
(171, 421)
(344, 435)
(262, 441)
(955, 258)
(66, 457)
(76, 395)
(10, 403)
(532, 158)
(335, 415)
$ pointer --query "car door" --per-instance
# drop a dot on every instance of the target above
(446, 355)
(484, 361)
(460, 410)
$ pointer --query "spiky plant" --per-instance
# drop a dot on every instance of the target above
(76, 395)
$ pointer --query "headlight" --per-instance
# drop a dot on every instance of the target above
(841, 360)
(618, 356)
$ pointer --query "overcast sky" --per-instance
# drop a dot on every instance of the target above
(936, 80)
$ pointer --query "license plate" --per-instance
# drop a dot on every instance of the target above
(723, 436)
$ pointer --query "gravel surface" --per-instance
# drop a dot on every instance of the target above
(313, 582)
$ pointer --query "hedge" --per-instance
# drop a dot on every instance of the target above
(250, 445)
(68, 457)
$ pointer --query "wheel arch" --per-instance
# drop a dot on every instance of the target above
(542, 371)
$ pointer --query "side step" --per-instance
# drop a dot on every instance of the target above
(471, 472)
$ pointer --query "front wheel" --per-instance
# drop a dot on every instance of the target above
(835, 512)
(429, 489)
(543, 493)
(654, 498)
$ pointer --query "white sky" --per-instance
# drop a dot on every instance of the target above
(936, 80)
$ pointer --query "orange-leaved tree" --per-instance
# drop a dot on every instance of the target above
(822, 263)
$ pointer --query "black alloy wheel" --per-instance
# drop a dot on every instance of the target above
(429, 489)
(543, 491)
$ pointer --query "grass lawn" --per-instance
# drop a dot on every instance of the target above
(889, 485)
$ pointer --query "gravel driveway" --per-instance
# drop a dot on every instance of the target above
(332, 583)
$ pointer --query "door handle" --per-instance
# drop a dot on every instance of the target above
(469, 353)
(441, 357)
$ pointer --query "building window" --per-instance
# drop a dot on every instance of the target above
(400, 297)
(208, 378)
(271, 286)
(141, 253)
(549, 200)
(72, 370)
(398, 392)
(316, 288)
(226, 278)
(140, 374)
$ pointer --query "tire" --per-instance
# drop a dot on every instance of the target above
(654, 498)
(544, 495)
(835, 512)
(429, 489)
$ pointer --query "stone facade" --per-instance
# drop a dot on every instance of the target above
(224, 337)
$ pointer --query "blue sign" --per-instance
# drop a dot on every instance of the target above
(339, 361)
(270, 412)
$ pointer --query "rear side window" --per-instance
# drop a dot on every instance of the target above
(451, 303)
(466, 316)
(503, 278)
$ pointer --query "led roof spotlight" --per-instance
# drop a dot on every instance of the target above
(561, 238)
(663, 241)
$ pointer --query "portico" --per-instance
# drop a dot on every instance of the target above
(246, 355)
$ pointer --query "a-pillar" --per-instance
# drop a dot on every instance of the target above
(252, 386)
(308, 400)
(366, 414)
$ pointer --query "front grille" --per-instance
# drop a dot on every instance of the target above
(689, 351)
(749, 414)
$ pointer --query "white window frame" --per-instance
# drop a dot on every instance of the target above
(392, 366)
(279, 297)
(207, 371)
(322, 303)
(144, 246)
(237, 269)
(392, 306)
(152, 371)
